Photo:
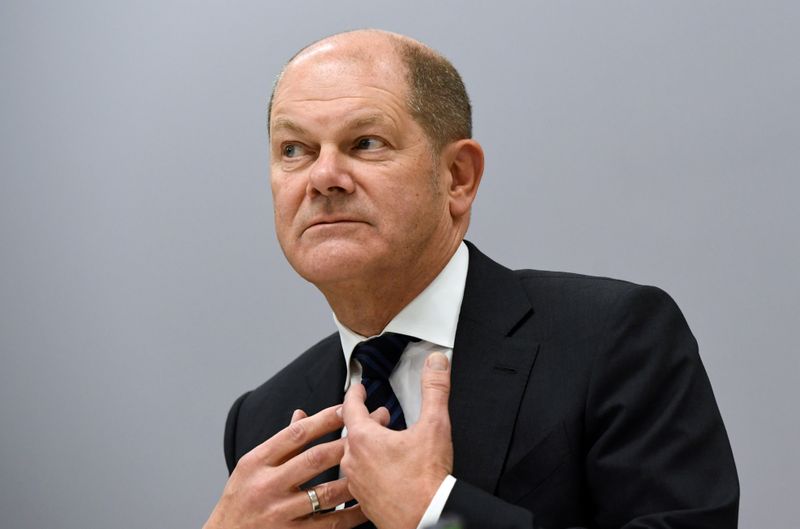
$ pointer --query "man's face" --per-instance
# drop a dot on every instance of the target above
(355, 185)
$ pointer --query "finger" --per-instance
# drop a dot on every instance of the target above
(381, 416)
(294, 437)
(344, 519)
(329, 495)
(354, 409)
(435, 386)
(297, 415)
(311, 462)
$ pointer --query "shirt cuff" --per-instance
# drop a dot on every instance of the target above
(435, 507)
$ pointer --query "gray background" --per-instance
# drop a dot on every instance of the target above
(142, 290)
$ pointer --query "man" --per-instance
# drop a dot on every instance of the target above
(575, 402)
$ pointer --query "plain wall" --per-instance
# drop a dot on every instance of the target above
(142, 289)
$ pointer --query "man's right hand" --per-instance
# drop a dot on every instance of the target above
(263, 490)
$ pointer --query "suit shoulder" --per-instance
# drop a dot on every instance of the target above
(259, 414)
(569, 285)
(570, 281)
(259, 411)
(300, 366)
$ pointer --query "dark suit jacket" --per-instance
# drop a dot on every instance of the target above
(576, 402)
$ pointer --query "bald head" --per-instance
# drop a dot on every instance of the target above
(435, 93)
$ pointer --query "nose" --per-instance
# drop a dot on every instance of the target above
(330, 174)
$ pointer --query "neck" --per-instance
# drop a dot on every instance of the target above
(366, 305)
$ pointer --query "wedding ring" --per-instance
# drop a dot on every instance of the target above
(312, 497)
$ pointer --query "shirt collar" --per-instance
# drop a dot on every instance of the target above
(432, 316)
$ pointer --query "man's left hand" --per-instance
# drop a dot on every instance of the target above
(394, 475)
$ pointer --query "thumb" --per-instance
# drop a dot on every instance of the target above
(435, 386)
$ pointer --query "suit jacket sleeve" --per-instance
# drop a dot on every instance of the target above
(230, 433)
(655, 450)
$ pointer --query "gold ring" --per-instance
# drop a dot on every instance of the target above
(312, 497)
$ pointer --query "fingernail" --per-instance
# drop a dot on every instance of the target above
(339, 411)
(437, 362)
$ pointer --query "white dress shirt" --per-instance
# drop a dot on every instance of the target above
(432, 317)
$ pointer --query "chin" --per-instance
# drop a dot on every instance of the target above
(332, 261)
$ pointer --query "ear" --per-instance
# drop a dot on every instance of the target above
(464, 159)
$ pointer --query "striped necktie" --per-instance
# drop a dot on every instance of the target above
(378, 358)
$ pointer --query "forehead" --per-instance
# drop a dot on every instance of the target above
(347, 77)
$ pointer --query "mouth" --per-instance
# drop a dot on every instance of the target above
(333, 222)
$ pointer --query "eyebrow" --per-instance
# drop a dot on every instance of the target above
(284, 123)
(365, 121)
(355, 123)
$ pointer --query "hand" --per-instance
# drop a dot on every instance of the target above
(263, 490)
(394, 475)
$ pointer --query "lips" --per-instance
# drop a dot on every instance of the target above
(332, 221)
(329, 221)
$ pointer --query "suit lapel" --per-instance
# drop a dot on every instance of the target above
(325, 379)
(325, 386)
(490, 371)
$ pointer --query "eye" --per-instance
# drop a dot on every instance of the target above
(293, 150)
(369, 143)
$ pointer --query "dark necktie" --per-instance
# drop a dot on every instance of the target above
(378, 358)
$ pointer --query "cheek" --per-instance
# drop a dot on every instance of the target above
(286, 202)
(279, 213)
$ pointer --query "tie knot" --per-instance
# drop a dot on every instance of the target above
(379, 356)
